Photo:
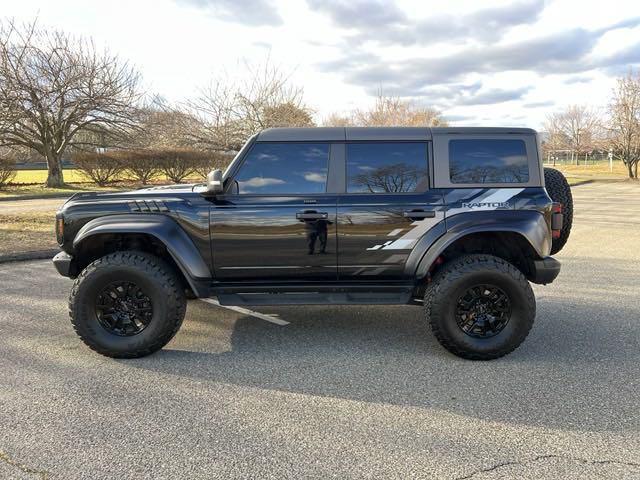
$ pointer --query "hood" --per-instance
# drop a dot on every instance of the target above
(165, 192)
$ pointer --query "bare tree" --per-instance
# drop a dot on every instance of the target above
(229, 111)
(54, 86)
(577, 128)
(624, 121)
(389, 111)
(399, 177)
(287, 115)
(162, 126)
(338, 120)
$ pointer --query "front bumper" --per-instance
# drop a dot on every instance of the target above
(545, 270)
(63, 261)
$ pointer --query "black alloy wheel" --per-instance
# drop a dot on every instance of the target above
(483, 311)
(124, 309)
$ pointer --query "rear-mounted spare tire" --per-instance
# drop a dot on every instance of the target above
(559, 190)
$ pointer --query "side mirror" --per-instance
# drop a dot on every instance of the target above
(214, 182)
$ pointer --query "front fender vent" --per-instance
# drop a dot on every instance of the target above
(147, 206)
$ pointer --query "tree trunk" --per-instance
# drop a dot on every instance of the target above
(55, 179)
(635, 170)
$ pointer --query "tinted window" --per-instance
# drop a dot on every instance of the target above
(386, 167)
(488, 161)
(285, 168)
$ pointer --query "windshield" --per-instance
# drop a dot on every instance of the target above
(239, 155)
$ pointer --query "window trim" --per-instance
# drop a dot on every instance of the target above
(441, 172)
(428, 153)
(232, 176)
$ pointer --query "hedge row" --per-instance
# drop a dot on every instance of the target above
(145, 165)
(7, 170)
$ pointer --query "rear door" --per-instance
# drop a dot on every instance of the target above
(386, 208)
(276, 219)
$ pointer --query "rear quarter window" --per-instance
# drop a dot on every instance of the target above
(477, 161)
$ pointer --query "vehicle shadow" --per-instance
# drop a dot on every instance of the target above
(579, 369)
(573, 372)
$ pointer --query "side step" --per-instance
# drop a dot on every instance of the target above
(388, 295)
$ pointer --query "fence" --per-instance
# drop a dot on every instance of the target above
(593, 159)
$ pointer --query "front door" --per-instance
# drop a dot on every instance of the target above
(276, 220)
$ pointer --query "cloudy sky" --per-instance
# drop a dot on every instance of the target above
(489, 62)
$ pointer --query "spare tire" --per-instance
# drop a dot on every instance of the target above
(559, 190)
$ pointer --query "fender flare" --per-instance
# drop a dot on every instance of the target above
(166, 230)
(530, 224)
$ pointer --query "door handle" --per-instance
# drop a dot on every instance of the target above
(419, 214)
(312, 215)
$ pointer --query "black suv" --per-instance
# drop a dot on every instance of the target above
(455, 219)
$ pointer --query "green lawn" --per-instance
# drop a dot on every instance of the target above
(40, 176)
(30, 182)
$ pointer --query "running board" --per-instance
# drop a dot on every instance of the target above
(394, 295)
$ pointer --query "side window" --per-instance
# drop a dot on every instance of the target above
(386, 167)
(488, 161)
(273, 168)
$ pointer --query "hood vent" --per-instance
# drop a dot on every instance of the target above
(148, 206)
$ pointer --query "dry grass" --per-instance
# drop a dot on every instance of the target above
(598, 170)
(28, 232)
(31, 182)
(39, 190)
(72, 175)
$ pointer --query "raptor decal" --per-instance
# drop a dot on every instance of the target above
(472, 201)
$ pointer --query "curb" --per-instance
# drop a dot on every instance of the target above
(581, 182)
(24, 256)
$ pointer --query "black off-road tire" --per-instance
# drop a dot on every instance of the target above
(449, 285)
(560, 191)
(159, 282)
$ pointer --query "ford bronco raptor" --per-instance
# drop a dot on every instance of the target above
(458, 220)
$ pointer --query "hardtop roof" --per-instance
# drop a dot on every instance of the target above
(337, 134)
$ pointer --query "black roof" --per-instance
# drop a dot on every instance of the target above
(328, 134)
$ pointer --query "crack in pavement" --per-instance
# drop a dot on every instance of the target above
(9, 461)
(547, 457)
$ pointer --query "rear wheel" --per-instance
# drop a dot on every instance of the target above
(560, 191)
(127, 304)
(480, 307)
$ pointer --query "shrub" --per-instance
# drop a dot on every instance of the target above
(140, 165)
(7, 170)
(101, 168)
(7, 167)
(178, 164)
(211, 161)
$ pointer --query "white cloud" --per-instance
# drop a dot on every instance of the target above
(258, 182)
(494, 62)
(315, 177)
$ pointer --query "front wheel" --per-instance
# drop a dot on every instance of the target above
(127, 304)
(480, 307)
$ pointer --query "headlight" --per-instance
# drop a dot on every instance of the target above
(60, 230)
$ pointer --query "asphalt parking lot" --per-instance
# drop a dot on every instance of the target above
(338, 392)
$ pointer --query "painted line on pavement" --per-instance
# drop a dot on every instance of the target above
(246, 311)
